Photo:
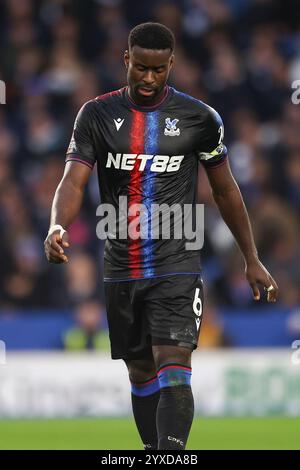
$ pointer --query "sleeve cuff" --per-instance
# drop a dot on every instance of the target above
(75, 158)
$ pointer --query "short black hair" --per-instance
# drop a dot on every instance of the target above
(151, 36)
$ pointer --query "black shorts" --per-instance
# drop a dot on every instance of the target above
(164, 310)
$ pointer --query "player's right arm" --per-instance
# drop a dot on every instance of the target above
(69, 193)
(65, 208)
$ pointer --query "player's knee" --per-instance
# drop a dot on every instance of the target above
(171, 354)
(141, 370)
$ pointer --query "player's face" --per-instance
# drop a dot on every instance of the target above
(147, 72)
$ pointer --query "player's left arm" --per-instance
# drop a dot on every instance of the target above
(229, 200)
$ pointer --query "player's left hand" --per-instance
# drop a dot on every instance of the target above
(256, 275)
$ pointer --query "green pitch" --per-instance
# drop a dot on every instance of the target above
(225, 433)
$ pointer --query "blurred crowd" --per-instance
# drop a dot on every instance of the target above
(239, 56)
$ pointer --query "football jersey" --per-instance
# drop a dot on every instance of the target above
(147, 155)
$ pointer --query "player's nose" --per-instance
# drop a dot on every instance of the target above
(148, 78)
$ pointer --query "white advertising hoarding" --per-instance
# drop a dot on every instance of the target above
(225, 382)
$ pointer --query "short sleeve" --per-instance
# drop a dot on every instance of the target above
(212, 151)
(81, 147)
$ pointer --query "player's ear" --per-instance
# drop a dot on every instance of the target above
(172, 61)
(126, 58)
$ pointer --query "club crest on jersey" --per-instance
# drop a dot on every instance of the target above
(170, 128)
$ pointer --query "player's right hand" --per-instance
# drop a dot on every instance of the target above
(54, 247)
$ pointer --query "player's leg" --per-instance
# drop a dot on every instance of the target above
(174, 311)
(175, 409)
(144, 398)
(130, 341)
